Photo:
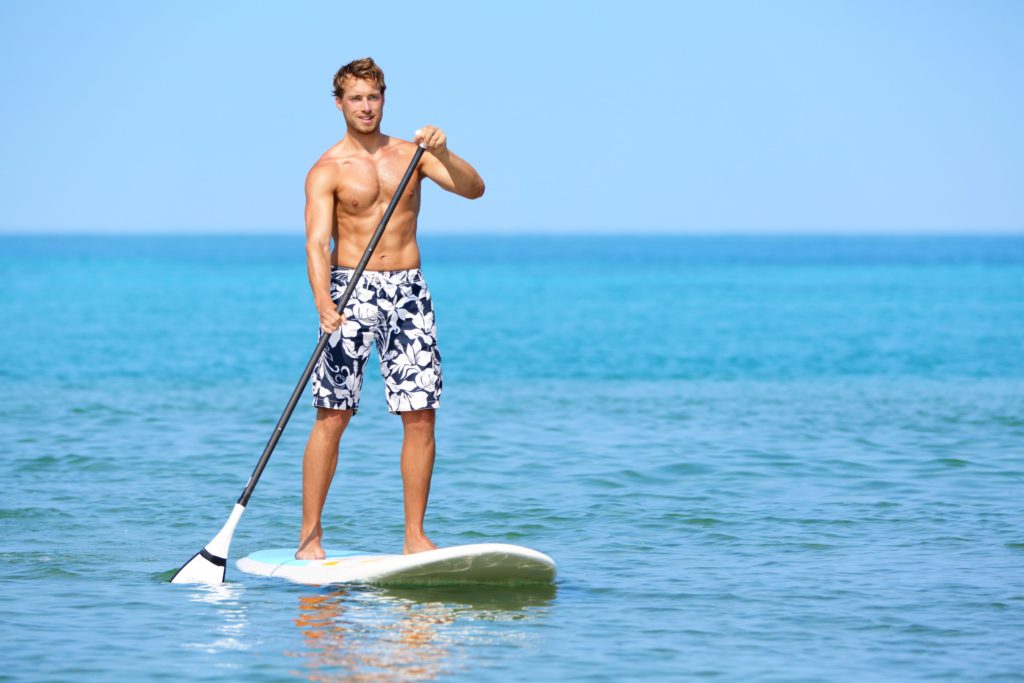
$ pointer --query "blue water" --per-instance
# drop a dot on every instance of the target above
(753, 458)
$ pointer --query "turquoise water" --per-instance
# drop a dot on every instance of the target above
(754, 459)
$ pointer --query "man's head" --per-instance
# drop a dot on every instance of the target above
(359, 94)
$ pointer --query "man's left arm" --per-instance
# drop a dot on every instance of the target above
(445, 168)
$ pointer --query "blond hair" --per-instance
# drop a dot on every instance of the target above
(365, 69)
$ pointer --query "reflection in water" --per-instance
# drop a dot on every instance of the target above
(382, 635)
(230, 631)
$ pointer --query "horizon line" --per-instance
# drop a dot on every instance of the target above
(537, 232)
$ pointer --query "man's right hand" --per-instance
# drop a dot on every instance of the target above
(330, 319)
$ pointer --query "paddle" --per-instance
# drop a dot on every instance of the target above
(209, 564)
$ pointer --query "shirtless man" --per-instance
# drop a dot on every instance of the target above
(347, 191)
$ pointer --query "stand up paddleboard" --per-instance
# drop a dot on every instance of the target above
(460, 564)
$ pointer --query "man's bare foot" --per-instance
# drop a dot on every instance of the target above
(309, 546)
(417, 544)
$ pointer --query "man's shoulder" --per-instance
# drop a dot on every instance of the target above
(323, 170)
(399, 143)
(326, 163)
(325, 174)
(330, 164)
(401, 148)
(332, 156)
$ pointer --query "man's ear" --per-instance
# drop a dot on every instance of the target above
(337, 102)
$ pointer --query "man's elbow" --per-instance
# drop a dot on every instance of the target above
(317, 244)
(476, 190)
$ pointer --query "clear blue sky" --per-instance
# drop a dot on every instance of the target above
(783, 116)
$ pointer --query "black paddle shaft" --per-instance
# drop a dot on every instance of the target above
(243, 500)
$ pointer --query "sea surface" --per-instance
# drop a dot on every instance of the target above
(753, 459)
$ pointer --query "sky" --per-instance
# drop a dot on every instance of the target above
(725, 116)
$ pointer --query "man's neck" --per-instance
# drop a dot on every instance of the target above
(368, 142)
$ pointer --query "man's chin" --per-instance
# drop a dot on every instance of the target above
(366, 128)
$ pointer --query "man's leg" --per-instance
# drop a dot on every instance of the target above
(417, 466)
(318, 465)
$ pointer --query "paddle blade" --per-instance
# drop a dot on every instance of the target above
(204, 567)
(209, 564)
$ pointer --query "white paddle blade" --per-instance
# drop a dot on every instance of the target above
(209, 564)
(204, 567)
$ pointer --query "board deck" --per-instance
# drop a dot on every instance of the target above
(476, 563)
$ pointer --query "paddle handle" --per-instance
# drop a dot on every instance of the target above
(300, 387)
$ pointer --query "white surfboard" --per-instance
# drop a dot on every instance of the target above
(477, 563)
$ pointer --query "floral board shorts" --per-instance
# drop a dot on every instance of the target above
(393, 308)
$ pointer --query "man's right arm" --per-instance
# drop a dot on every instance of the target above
(320, 185)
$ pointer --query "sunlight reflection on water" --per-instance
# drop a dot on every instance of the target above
(385, 635)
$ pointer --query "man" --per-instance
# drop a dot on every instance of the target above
(347, 191)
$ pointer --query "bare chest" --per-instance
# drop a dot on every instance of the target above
(366, 185)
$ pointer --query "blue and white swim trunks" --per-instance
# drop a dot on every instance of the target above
(394, 308)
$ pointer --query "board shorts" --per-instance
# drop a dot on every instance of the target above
(393, 308)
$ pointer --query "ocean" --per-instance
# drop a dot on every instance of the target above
(754, 458)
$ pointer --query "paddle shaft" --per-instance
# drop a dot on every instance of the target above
(243, 500)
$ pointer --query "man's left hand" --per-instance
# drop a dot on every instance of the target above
(432, 139)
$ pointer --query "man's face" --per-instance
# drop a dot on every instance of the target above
(362, 104)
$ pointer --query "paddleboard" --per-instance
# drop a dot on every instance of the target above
(460, 564)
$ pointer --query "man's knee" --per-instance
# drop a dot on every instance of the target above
(333, 421)
(419, 421)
